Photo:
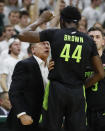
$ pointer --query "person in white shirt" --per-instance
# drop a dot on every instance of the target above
(92, 13)
(9, 63)
(10, 5)
(14, 17)
(8, 33)
(24, 21)
(81, 4)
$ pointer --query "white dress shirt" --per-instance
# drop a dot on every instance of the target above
(43, 69)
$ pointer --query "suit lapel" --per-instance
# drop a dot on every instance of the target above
(35, 66)
(34, 63)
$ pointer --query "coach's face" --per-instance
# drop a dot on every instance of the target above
(41, 50)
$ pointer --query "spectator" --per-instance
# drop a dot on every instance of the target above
(82, 27)
(51, 4)
(12, 59)
(98, 25)
(83, 22)
(8, 32)
(59, 6)
(10, 6)
(43, 5)
(1, 39)
(26, 5)
(91, 13)
(24, 21)
(14, 18)
(84, 4)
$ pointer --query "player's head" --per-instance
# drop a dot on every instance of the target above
(69, 15)
(98, 36)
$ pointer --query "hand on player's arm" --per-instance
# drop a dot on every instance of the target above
(51, 65)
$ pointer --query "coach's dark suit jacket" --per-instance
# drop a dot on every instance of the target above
(26, 92)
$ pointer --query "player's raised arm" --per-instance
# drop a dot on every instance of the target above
(29, 34)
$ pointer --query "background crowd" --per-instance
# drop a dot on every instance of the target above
(15, 15)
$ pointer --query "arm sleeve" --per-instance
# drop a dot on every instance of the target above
(17, 87)
(47, 35)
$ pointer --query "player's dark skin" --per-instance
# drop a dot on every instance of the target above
(30, 35)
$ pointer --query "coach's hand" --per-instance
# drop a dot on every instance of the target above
(26, 119)
(46, 16)
(51, 65)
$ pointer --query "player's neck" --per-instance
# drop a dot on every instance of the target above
(72, 25)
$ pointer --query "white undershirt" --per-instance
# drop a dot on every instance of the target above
(43, 69)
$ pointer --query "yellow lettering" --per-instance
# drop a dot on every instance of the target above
(69, 38)
(65, 37)
(76, 39)
(81, 39)
(73, 38)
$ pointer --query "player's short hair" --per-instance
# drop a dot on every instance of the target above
(70, 14)
(96, 29)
